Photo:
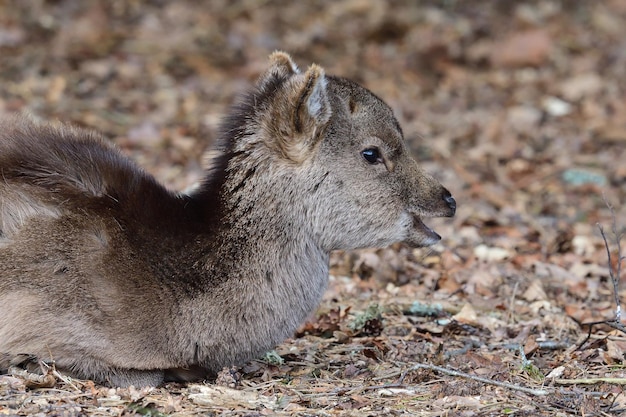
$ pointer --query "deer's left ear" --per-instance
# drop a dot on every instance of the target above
(312, 108)
(300, 107)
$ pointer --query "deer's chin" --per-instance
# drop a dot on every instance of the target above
(421, 235)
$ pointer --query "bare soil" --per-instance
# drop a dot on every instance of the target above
(518, 107)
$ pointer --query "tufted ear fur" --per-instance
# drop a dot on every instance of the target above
(312, 106)
(281, 68)
(300, 107)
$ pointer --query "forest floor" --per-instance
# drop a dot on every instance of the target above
(519, 108)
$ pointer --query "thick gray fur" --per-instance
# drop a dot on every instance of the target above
(122, 281)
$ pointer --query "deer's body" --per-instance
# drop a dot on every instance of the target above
(122, 281)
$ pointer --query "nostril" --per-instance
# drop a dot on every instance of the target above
(450, 201)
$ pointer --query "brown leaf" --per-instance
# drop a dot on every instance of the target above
(530, 346)
(616, 349)
(531, 47)
(466, 315)
(325, 325)
(535, 292)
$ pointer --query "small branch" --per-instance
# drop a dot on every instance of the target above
(353, 390)
(51, 369)
(451, 372)
(552, 345)
(615, 274)
(617, 325)
(614, 278)
(468, 345)
(511, 310)
(620, 381)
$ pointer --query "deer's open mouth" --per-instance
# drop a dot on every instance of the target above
(420, 234)
(425, 230)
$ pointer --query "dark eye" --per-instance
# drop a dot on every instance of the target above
(372, 155)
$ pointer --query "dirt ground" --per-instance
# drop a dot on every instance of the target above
(519, 108)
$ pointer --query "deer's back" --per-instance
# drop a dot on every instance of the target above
(73, 247)
(57, 168)
(72, 205)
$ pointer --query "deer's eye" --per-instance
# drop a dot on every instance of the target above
(372, 155)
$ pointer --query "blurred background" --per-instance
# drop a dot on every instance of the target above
(519, 108)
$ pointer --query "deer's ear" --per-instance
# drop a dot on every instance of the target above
(281, 69)
(312, 107)
(296, 108)
(303, 111)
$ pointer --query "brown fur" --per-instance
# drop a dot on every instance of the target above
(119, 280)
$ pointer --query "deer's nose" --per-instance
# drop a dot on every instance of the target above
(450, 201)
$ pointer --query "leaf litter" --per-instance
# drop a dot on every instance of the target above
(518, 107)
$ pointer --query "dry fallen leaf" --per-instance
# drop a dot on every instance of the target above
(457, 402)
(530, 47)
(535, 292)
(218, 396)
(467, 315)
(487, 254)
(616, 350)
(556, 372)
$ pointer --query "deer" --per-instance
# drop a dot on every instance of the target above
(122, 281)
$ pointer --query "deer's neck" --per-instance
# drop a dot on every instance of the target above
(263, 270)
(263, 231)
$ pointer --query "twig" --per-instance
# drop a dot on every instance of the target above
(353, 390)
(480, 379)
(552, 345)
(66, 380)
(620, 381)
(612, 274)
(511, 310)
(617, 325)
(615, 275)
(620, 258)
(466, 347)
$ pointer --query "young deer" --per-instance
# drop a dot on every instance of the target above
(122, 281)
